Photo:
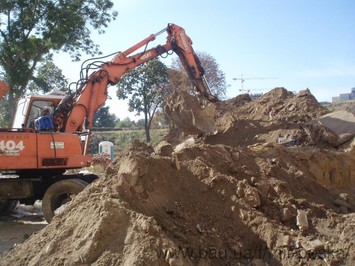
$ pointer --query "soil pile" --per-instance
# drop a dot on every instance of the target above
(278, 116)
(258, 202)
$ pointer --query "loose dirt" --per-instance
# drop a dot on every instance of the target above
(190, 114)
(269, 185)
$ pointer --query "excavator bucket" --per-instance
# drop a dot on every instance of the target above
(187, 112)
(3, 89)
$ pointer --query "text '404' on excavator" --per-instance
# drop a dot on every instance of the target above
(50, 133)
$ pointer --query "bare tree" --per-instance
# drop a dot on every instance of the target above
(214, 76)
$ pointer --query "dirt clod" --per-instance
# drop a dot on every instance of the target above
(190, 114)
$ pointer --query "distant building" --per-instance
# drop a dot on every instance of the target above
(345, 96)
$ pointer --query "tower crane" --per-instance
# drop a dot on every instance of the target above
(242, 79)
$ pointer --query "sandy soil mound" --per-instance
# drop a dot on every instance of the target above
(278, 116)
(243, 201)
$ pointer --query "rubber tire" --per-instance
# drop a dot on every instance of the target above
(59, 194)
(6, 206)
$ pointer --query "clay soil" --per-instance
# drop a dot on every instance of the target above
(271, 185)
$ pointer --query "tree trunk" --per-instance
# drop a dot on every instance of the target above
(147, 134)
(146, 128)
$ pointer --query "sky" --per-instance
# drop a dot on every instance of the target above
(295, 44)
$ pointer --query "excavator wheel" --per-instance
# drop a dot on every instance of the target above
(59, 194)
(6, 206)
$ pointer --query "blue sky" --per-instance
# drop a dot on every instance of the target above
(293, 44)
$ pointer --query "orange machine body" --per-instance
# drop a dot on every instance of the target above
(41, 150)
(23, 147)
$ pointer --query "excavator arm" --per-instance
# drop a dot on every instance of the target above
(178, 42)
(76, 112)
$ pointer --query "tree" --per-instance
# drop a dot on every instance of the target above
(103, 118)
(215, 77)
(125, 123)
(48, 77)
(31, 29)
(140, 123)
(144, 86)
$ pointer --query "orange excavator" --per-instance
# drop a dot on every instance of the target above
(50, 133)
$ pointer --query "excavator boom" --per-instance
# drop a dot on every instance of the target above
(71, 114)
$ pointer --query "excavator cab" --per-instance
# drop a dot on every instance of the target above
(34, 140)
(33, 107)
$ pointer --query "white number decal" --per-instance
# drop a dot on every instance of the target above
(11, 145)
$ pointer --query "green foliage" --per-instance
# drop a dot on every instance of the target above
(31, 29)
(125, 123)
(37, 26)
(104, 119)
(140, 123)
(144, 87)
(48, 77)
(130, 124)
